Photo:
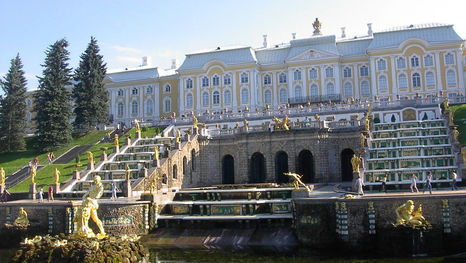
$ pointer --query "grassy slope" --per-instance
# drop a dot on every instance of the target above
(460, 120)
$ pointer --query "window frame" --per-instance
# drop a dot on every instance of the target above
(385, 82)
(189, 100)
(225, 101)
(347, 72)
(313, 74)
(205, 99)
(363, 88)
(364, 69)
(431, 60)
(215, 80)
(329, 72)
(244, 95)
(216, 97)
(226, 79)
(282, 78)
(403, 81)
(267, 79)
(134, 107)
(401, 63)
(416, 80)
(189, 83)
(244, 78)
(381, 64)
(205, 82)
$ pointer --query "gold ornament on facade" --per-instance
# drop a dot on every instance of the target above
(297, 181)
(178, 136)
(407, 216)
(115, 140)
(90, 157)
(32, 173)
(2, 177)
(445, 204)
(355, 162)
(317, 26)
(56, 175)
(136, 124)
(363, 140)
(195, 122)
(22, 219)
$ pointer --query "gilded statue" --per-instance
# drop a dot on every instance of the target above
(56, 175)
(237, 125)
(317, 25)
(286, 123)
(32, 173)
(2, 177)
(455, 134)
(363, 140)
(195, 122)
(245, 123)
(450, 117)
(445, 204)
(297, 181)
(127, 172)
(22, 220)
(88, 210)
(317, 117)
(115, 140)
(405, 215)
(355, 162)
(178, 136)
(366, 123)
(156, 153)
(445, 104)
(136, 124)
(90, 157)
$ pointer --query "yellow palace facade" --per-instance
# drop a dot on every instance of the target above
(416, 61)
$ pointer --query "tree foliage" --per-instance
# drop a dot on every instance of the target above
(89, 91)
(53, 100)
(13, 108)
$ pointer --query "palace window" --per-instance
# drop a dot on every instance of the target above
(329, 72)
(449, 59)
(313, 73)
(205, 82)
(120, 109)
(416, 80)
(430, 80)
(149, 90)
(364, 71)
(283, 96)
(383, 83)
(226, 80)
(381, 64)
(134, 91)
(282, 78)
(347, 72)
(189, 100)
(428, 61)
(244, 78)
(216, 97)
(402, 81)
(120, 93)
(244, 96)
(414, 62)
(267, 79)
(314, 91)
(330, 89)
(227, 97)
(401, 63)
(298, 91)
(167, 88)
(348, 89)
(134, 108)
(297, 75)
(268, 97)
(167, 105)
(365, 90)
(189, 83)
(451, 77)
(205, 99)
(149, 107)
(216, 80)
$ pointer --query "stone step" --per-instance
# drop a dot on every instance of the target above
(229, 208)
(234, 194)
(226, 217)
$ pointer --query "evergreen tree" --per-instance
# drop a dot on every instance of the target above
(89, 91)
(53, 100)
(13, 108)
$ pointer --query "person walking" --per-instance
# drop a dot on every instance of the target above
(384, 184)
(454, 177)
(36, 161)
(359, 185)
(4, 195)
(428, 184)
(51, 193)
(413, 184)
(41, 195)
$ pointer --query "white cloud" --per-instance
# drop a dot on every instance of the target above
(127, 49)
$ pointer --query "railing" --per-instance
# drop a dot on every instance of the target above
(315, 99)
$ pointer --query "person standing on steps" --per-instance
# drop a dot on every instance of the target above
(428, 183)
(41, 195)
(413, 184)
(51, 193)
(454, 177)
(36, 162)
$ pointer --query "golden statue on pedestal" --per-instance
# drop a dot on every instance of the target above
(56, 175)
(317, 117)
(405, 215)
(284, 124)
(32, 173)
(355, 162)
(194, 122)
(156, 153)
(363, 140)
(136, 124)
(2, 177)
(88, 210)
(297, 181)
(127, 173)
(90, 157)
(178, 136)
(317, 25)
(245, 123)
(115, 140)
(22, 220)
(455, 134)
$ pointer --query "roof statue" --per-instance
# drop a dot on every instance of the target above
(317, 25)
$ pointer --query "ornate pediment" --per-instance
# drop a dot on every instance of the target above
(312, 54)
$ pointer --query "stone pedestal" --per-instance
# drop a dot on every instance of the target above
(116, 149)
(103, 156)
(56, 188)
(32, 191)
(127, 191)
(76, 175)
(300, 193)
(128, 141)
(90, 166)
(138, 135)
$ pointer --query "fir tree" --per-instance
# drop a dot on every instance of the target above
(13, 107)
(89, 91)
(53, 100)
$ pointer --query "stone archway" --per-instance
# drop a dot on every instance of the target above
(228, 169)
(257, 172)
(346, 167)
(306, 166)
(281, 166)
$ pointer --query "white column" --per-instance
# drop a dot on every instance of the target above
(114, 106)
(439, 72)
(357, 92)
(338, 79)
(233, 91)
(181, 83)
(252, 85)
(290, 83)
(394, 84)
(141, 103)
(157, 100)
(128, 93)
(322, 81)
(372, 68)
(459, 67)
(198, 96)
(275, 81)
(304, 78)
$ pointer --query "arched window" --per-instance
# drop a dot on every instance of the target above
(347, 72)
(167, 88)
(167, 105)
(313, 73)
(416, 79)
(451, 77)
(414, 61)
(330, 89)
(134, 107)
(227, 96)
(428, 61)
(226, 80)
(401, 63)
(268, 97)
(205, 82)
(364, 71)
(283, 96)
(381, 64)
(216, 97)
(244, 95)
(120, 93)
(282, 78)
(298, 91)
(348, 89)
(244, 78)
(297, 75)
(383, 83)
(402, 81)
(120, 109)
(134, 91)
(189, 83)
(149, 106)
(205, 99)
(267, 79)
(449, 59)
(329, 72)
(216, 80)
(189, 100)
(175, 172)
(365, 90)
(430, 80)
(314, 91)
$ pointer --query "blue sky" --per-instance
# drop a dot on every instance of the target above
(163, 30)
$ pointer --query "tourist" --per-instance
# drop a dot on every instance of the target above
(413, 184)
(41, 195)
(454, 177)
(49, 158)
(384, 184)
(50, 193)
(36, 161)
(428, 184)
(29, 167)
(114, 192)
(4, 195)
(359, 185)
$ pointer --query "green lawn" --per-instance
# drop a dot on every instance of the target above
(460, 120)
